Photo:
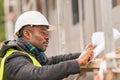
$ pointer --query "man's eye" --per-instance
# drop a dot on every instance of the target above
(44, 33)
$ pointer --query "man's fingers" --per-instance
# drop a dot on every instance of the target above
(86, 56)
(90, 51)
(90, 54)
(91, 46)
(94, 46)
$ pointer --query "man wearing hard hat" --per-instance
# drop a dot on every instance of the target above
(24, 58)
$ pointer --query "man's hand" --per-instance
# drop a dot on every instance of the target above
(86, 55)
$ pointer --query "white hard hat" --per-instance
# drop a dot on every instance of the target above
(31, 18)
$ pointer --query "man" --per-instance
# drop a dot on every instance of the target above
(24, 59)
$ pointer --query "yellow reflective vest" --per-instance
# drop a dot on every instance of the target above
(8, 53)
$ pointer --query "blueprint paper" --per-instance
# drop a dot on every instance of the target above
(98, 39)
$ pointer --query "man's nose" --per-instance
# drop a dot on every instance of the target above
(46, 36)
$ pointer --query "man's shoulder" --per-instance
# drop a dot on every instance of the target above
(18, 54)
(7, 45)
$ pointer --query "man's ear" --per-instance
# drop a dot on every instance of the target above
(27, 34)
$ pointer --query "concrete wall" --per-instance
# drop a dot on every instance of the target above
(73, 34)
(116, 21)
(76, 36)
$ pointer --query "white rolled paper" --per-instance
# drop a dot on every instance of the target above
(98, 39)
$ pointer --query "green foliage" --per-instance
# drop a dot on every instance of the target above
(2, 32)
(2, 26)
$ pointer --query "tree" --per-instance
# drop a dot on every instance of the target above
(2, 26)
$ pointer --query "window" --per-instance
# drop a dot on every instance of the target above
(115, 3)
(75, 11)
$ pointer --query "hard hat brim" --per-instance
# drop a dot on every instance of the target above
(51, 28)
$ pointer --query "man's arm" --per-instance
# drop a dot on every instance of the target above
(60, 58)
(20, 67)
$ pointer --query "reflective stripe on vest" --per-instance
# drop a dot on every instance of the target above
(8, 53)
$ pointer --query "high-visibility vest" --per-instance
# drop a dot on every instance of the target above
(9, 52)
